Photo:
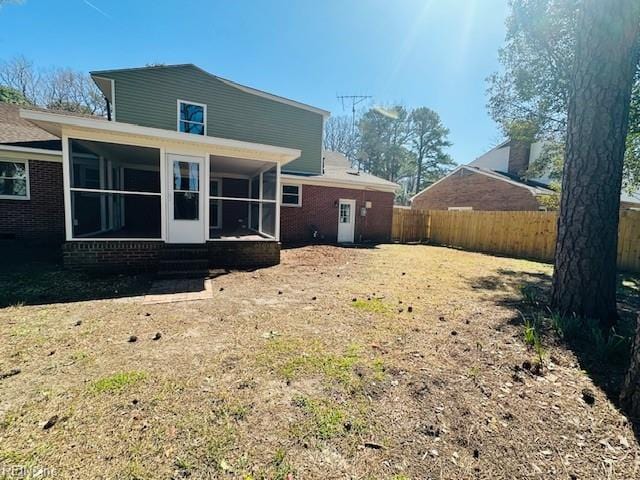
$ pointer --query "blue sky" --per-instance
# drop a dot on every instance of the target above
(434, 53)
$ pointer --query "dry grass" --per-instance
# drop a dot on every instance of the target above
(419, 377)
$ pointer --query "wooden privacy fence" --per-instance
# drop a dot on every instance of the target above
(516, 234)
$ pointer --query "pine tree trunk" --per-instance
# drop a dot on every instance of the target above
(630, 396)
(584, 280)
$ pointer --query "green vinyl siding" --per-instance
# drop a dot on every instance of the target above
(148, 97)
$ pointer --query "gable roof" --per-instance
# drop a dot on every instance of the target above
(535, 188)
(254, 91)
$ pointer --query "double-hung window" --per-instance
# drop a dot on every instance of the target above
(14, 179)
(192, 117)
(291, 195)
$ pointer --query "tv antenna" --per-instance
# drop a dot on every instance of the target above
(355, 100)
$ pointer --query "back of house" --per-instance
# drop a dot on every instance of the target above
(186, 164)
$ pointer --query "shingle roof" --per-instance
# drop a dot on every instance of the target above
(17, 131)
(337, 167)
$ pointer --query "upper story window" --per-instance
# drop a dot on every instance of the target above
(14, 179)
(192, 117)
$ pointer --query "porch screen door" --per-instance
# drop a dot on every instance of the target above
(186, 222)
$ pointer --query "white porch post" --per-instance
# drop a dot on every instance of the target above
(66, 184)
(278, 194)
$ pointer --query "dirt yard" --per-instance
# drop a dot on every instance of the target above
(395, 362)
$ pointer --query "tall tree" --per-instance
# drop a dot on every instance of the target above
(11, 95)
(340, 135)
(537, 61)
(428, 137)
(605, 57)
(384, 135)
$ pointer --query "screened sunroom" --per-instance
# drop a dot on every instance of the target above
(127, 182)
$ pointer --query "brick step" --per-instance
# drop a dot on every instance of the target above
(172, 253)
(184, 264)
(179, 274)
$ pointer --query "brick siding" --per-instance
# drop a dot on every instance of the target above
(112, 256)
(41, 218)
(123, 256)
(319, 209)
(243, 254)
(470, 189)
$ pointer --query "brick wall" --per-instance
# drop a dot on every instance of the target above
(112, 256)
(470, 189)
(319, 209)
(243, 254)
(519, 152)
(41, 218)
(143, 256)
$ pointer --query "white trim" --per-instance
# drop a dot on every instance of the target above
(246, 149)
(322, 180)
(204, 113)
(243, 199)
(278, 199)
(41, 151)
(66, 187)
(113, 100)
(26, 174)
(289, 184)
(533, 190)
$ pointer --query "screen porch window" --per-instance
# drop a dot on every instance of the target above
(192, 118)
(14, 179)
(291, 195)
(243, 202)
(115, 190)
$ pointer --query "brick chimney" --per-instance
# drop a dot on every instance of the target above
(518, 157)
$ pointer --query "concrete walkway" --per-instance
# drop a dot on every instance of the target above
(179, 290)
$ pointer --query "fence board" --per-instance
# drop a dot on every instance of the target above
(518, 234)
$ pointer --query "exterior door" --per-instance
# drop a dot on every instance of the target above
(346, 220)
(186, 222)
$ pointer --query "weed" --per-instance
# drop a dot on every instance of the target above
(474, 373)
(375, 305)
(117, 382)
(529, 333)
(327, 420)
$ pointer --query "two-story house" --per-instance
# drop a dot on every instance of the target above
(188, 171)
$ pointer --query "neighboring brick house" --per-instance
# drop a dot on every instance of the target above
(495, 181)
(189, 171)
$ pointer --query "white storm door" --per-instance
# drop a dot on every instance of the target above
(186, 222)
(346, 220)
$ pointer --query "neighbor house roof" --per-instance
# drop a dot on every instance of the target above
(339, 173)
(535, 188)
(254, 91)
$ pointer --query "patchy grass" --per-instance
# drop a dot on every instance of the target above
(281, 372)
(117, 382)
(372, 305)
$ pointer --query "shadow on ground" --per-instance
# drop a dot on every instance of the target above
(528, 293)
(32, 275)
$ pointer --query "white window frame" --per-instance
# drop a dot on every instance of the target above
(27, 195)
(282, 194)
(204, 119)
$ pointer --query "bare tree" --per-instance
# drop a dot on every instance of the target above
(57, 88)
(20, 74)
(606, 53)
(341, 136)
(66, 89)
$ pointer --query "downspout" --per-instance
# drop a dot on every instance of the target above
(108, 108)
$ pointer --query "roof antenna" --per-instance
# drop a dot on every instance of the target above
(355, 100)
